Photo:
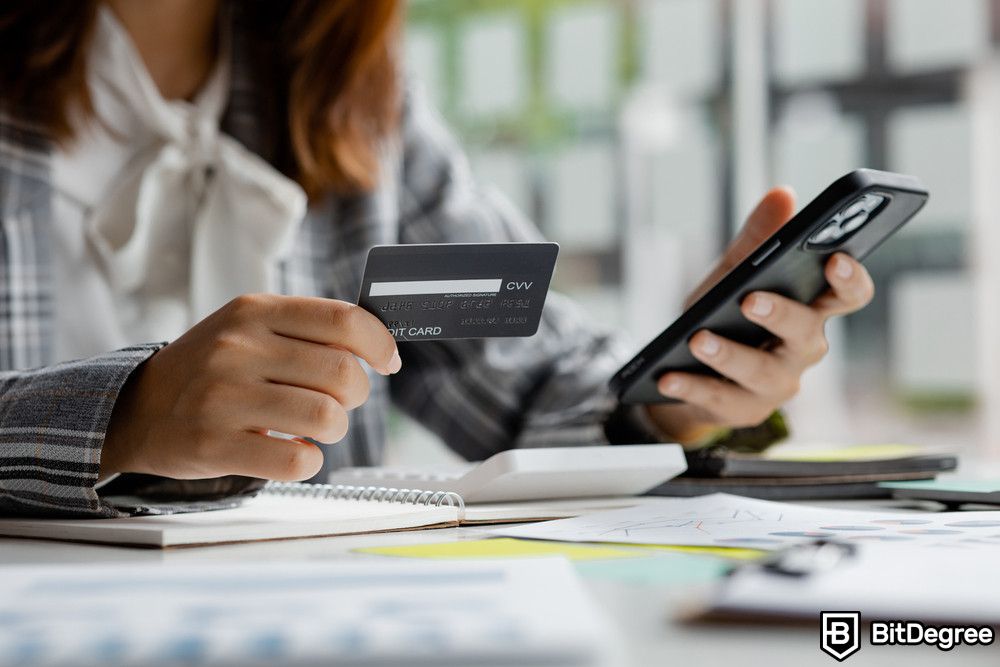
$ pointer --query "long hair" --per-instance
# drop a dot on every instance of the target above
(332, 64)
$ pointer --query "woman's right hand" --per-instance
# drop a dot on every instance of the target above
(200, 407)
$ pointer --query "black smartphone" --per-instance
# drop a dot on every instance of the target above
(854, 215)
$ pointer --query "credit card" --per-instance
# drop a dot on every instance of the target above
(458, 290)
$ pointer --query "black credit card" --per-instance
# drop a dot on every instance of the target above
(458, 290)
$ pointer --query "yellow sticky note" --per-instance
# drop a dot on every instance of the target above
(736, 553)
(849, 453)
(502, 547)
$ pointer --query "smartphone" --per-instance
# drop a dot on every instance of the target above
(854, 215)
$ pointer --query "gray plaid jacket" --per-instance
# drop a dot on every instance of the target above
(480, 396)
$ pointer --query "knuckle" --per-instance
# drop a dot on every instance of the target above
(346, 318)
(247, 306)
(329, 418)
(340, 369)
(224, 349)
(228, 340)
(322, 411)
(301, 462)
(821, 350)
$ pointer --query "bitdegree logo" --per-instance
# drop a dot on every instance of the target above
(945, 637)
(840, 634)
(840, 637)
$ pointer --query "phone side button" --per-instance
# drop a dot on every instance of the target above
(765, 253)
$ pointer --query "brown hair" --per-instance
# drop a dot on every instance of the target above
(333, 64)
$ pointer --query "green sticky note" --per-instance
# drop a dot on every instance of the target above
(959, 485)
(503, 547)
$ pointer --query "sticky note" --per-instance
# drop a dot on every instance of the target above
(852, 453)
(503, 547)
(734, 553)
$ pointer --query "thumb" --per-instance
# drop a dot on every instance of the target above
(774, 210)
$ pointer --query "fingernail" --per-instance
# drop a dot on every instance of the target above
(395, 363)
(761, 306)
(709, 345)
(672, 387)
(843, 268)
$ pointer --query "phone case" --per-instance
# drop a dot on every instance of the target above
(789, 263)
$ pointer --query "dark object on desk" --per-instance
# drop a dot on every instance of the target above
(827, 487)
(722, 462)
(720, 470)
(953, 493)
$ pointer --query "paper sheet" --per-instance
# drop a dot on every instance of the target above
(725, 520)
(882, 582)
(345, 612)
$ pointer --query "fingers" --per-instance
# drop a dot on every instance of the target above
(727, 403)
(851, 287)
(257, 455)
(760, 372)
(799, 327)
(325, 321)
(294, 410)
(321, 368)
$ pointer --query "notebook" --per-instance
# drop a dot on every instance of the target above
(825, 487)
(863, 461)
(286, 510)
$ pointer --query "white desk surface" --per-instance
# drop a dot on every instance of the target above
(643, 612)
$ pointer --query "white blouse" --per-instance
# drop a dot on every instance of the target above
(159, 218)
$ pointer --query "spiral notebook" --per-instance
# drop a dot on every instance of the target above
(288, 510)
(279, 511)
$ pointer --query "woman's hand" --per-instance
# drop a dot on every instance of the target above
(757, 381)
(201, 406)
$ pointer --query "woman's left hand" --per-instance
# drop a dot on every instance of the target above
(757, 381)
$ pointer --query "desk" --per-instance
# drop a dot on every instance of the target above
(643, 612)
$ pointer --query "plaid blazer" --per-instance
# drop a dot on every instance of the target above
(480, 396)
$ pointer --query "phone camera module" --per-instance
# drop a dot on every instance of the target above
(846, 221)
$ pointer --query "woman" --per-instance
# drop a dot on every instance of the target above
(197, 172)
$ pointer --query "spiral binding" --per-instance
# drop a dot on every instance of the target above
(378, 494)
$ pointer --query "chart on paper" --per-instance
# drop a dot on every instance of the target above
(726, 520)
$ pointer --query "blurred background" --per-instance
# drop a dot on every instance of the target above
(639, 133)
